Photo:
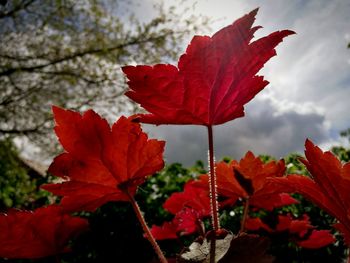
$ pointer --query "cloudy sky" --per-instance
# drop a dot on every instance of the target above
(309, 91)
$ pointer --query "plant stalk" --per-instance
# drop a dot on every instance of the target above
(245, 215)
(212, 182)
(146, 229)
(213, 194)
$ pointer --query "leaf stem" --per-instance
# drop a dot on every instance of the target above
(146, 229)
(245, 215)
(212, 182)
(213, 194)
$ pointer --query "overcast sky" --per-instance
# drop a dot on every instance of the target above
(309, 91)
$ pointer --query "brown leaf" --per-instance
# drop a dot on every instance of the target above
(246, 248)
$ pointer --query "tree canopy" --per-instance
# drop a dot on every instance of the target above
(68, 53)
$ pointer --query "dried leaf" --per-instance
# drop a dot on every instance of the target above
(200, 251)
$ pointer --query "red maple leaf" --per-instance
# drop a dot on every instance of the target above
(101, 164)
(214, 79)
(44, 232)
(250, 179)
(300, 230)
(186, 222)
(195, 196)
(189, 208)
(329, 187)
(189, 221)
(166, 231)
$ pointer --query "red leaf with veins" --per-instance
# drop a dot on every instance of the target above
(189, 208)
(251, 178)
(194, 196)
(329, 187)
(214, 79)
(100, 164)
(188, 221)
(42, 233)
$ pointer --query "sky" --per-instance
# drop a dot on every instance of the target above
(309, 91)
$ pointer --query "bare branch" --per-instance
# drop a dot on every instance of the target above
(133, 42)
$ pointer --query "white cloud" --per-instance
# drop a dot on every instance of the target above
(309, 91)
(261, 131)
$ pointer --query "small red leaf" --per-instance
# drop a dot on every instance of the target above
(317, 239)
(188, 221)
(300, 230)
(166, 231)
(194, 196)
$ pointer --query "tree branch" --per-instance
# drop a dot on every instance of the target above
(133, 42)
(15, 131)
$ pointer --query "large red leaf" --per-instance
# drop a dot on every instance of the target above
(214, 79)
(329, 186)
(100, 164)
(44, 232)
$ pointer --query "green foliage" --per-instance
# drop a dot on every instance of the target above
(18, 189)
(342, 153)
(293, 164)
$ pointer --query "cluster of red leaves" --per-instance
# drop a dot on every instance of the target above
(247, 179)
(100, 164)
(299, 231)
(214, 79)
(189, 208)
(250, 179)
(328, 187)
(44, 232)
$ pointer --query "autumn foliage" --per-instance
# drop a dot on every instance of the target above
(213, 80)
(101, 163)
(210, 85)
